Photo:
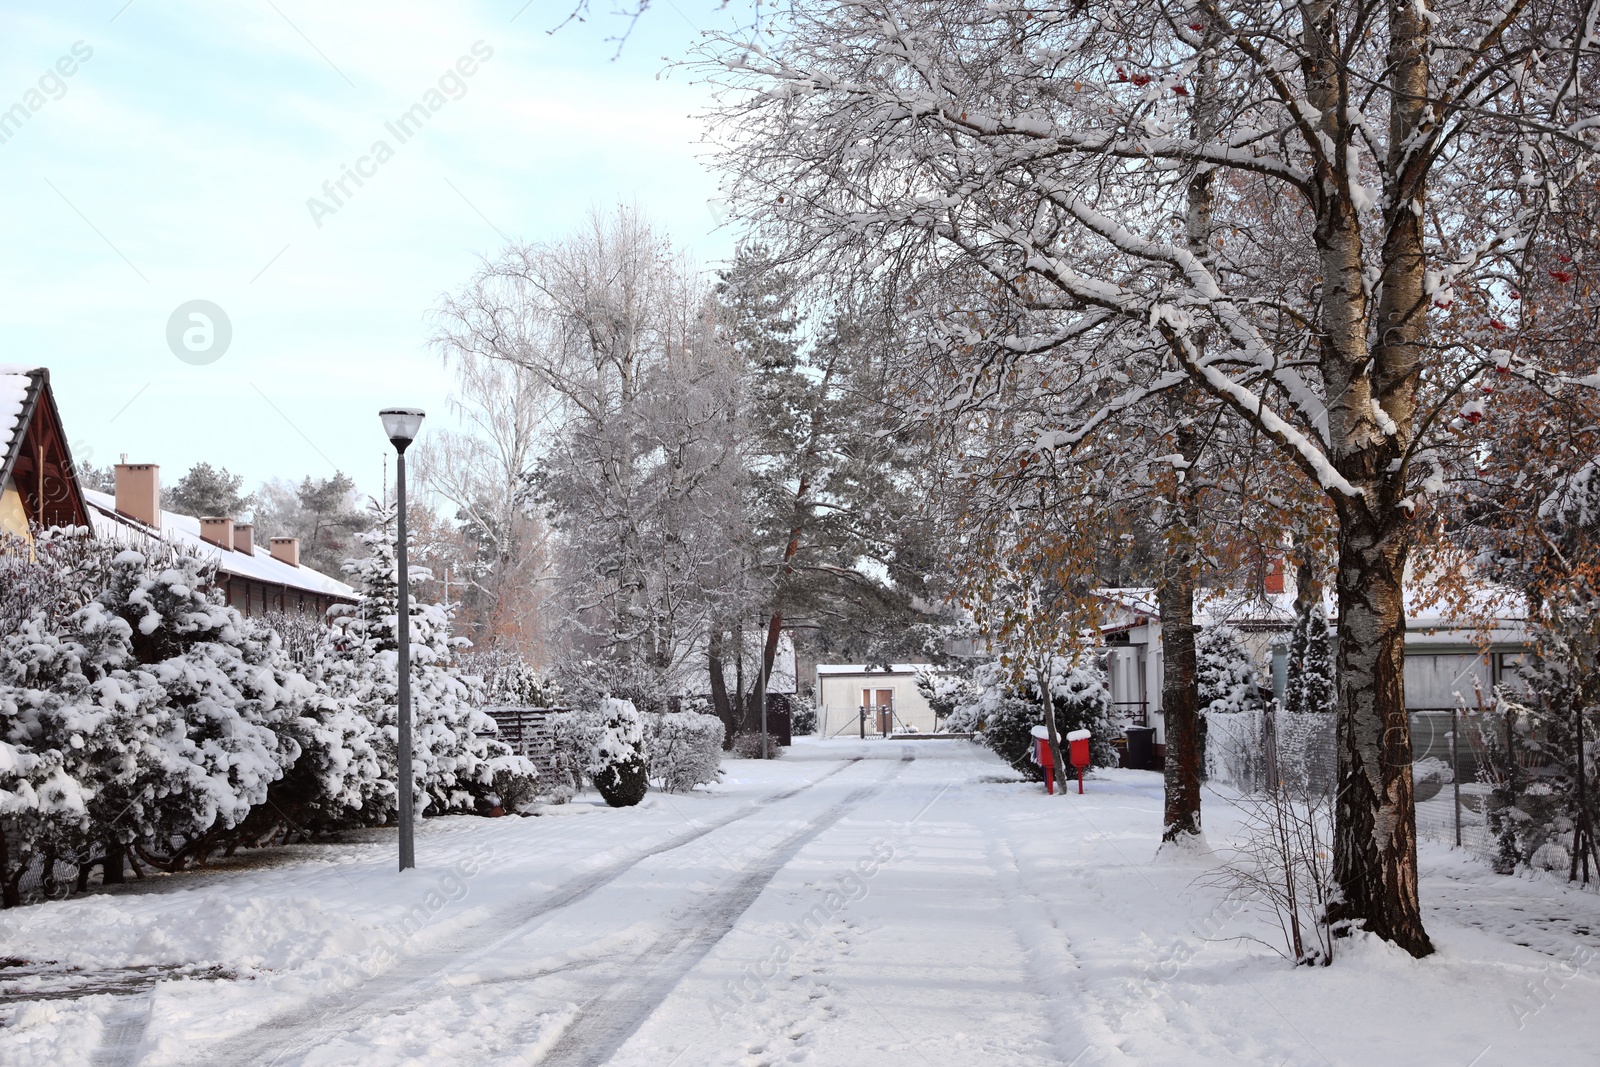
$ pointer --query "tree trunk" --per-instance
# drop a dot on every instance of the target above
(1180, 699)
(1057, 756)
(719, 690)
(1371, 383)
(10, 887)
(1375, 833)
(1180, 675)
(111, 867)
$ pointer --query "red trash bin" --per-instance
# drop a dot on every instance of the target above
(1078, 752)
(1044, 757)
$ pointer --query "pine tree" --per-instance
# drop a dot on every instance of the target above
(1227, 672)
(1311, 685)
(208, 490)
(454, 752)
(1229, 738)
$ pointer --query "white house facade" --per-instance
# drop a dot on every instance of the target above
(889, 694)
(1449, 660)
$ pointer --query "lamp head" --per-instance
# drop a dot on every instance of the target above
(401, 425)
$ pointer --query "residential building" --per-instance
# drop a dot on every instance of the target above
(1450, 656)
(38, 482)
(253, 579)
(39, 486)
(889, 694)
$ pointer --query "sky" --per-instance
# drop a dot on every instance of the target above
(166, 152)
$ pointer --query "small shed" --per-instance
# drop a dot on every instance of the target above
(889, 694)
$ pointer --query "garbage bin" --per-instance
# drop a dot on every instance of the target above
(1142, 748)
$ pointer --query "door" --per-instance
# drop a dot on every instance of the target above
(885, 706)
(881, 701)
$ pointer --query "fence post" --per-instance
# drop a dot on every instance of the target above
(1455, 772)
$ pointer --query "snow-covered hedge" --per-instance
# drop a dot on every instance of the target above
(685, 749)
(141, 717)
(137, 710)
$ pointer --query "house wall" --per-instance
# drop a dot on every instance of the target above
(839, 703)
(13, 515)
(1436, 673)
(258, 598)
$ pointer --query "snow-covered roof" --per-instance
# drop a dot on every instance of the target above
(16, 382)
(257, 565)
(862, 668)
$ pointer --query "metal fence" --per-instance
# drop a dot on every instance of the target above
(1451, 773)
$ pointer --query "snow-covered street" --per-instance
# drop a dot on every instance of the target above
(853, 903)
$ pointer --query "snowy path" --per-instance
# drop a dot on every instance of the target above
(854, 903)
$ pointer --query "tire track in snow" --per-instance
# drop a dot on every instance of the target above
(1047, 951)
(606, 1022)
(417, 976)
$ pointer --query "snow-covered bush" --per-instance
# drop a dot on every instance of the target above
(455, 755)
(945, 690)
(139, 711)
(1008, 731)
(508, 680)
(685, 749)
(803, 719)
(748, 746)
(1533, 811)
(1083, 702)
(617, 762)
(1003, 719)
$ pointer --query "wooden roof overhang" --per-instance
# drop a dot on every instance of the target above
(38, 462)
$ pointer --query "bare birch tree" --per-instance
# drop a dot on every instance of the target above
(1374, 169)
(614, 330)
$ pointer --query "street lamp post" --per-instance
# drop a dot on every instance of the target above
(761, 688)
(402, 424)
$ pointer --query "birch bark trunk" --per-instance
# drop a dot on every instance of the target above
(1371, 385)
(1180, 676)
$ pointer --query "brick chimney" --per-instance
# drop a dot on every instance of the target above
(1273, 582)
(244, 538)
(286, 550)
(139, 492)
(218, 531)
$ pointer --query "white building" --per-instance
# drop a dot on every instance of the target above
(889, 695)
(1449, 659)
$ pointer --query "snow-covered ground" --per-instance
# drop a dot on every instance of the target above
(877, 902)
